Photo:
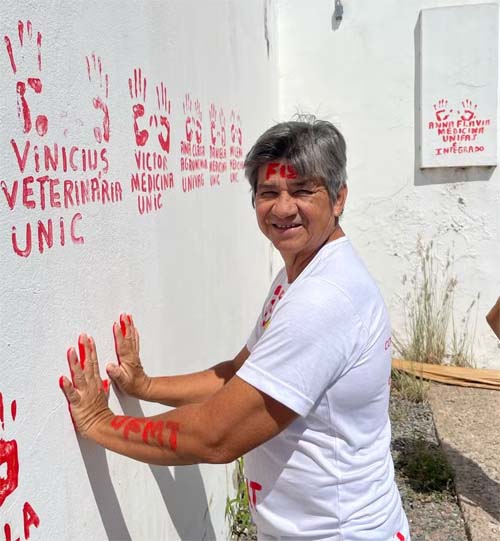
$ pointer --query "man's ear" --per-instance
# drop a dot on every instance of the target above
(338, 206)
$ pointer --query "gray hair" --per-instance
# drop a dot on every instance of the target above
(314, 147)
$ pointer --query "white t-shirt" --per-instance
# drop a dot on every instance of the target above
(322, 348)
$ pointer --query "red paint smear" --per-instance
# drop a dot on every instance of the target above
(271, 169)
(118, 421)
(29, 28)
(122, 325)
(81, 352)
(105, 385)
(8, 454)
(20, 31)
(156, 430)
(13, 409)
(1, 411)
(8, 44)
(116, 344)
(39, 45)
(61, 382)
(255, 487)
(174, 428)
(134, 425)
(30, 519)
(400, 536)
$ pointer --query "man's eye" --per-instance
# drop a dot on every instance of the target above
(303, 192)
(267, 193)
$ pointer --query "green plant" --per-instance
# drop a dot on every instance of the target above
(238, 508)
(410, 386)
(429, 312)
(425, 466)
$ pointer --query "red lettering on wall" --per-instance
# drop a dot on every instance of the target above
(30, 519)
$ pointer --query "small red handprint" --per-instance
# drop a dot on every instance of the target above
(222, 125)
(197, 120)
(187, 107)
(164, 107)
(441, 110)
(236, 135)
(137, 89)
(469, 110)
(29, 44)
(212, 114)
(101, 82)
(8, 456)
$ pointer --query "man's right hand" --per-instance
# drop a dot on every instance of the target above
(129, 374)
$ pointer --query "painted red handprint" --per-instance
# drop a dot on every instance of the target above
(469, 110)
(164, 107)
(212, 115)
(187, 107)
(28, 43)
(441, 110)
(137, 89)
(101, 82)
(197, 121)
(236, 135)
(222, 125)
(8, 456)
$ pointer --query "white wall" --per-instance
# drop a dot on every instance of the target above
(192, 272)
(361, 74)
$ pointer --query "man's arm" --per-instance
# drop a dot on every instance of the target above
(235, 419)
(174, 391)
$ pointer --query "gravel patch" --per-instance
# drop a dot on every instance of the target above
(423, 475)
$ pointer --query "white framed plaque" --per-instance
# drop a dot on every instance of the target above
(458, 86)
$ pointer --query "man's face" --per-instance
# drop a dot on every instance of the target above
(295, 214)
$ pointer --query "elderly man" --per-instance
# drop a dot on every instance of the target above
(310, 387)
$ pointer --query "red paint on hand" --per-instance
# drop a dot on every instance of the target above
(122, 325)
(81, 351)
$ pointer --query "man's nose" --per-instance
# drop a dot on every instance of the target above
(284, 205)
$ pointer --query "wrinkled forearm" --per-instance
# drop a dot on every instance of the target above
(179, 437)
(186, 389)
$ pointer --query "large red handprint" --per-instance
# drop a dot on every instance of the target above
(164, 108)
(101, 82)
(8, 456)
(441, 110)
(28, 44)
(469, 110)
(137, 89)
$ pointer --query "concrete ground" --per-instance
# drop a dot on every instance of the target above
(468, 425)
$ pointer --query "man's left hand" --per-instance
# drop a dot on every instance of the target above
(86, 393)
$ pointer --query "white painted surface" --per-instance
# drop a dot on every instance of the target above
(458, 80)
(193, 273)
(361, 74)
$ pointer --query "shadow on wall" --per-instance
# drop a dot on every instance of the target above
(96, 464)
(437, 175)
(474, 484)
(184, 495)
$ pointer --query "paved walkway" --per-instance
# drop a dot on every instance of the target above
(468, 426)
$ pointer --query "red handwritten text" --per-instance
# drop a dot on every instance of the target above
(148, 429)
